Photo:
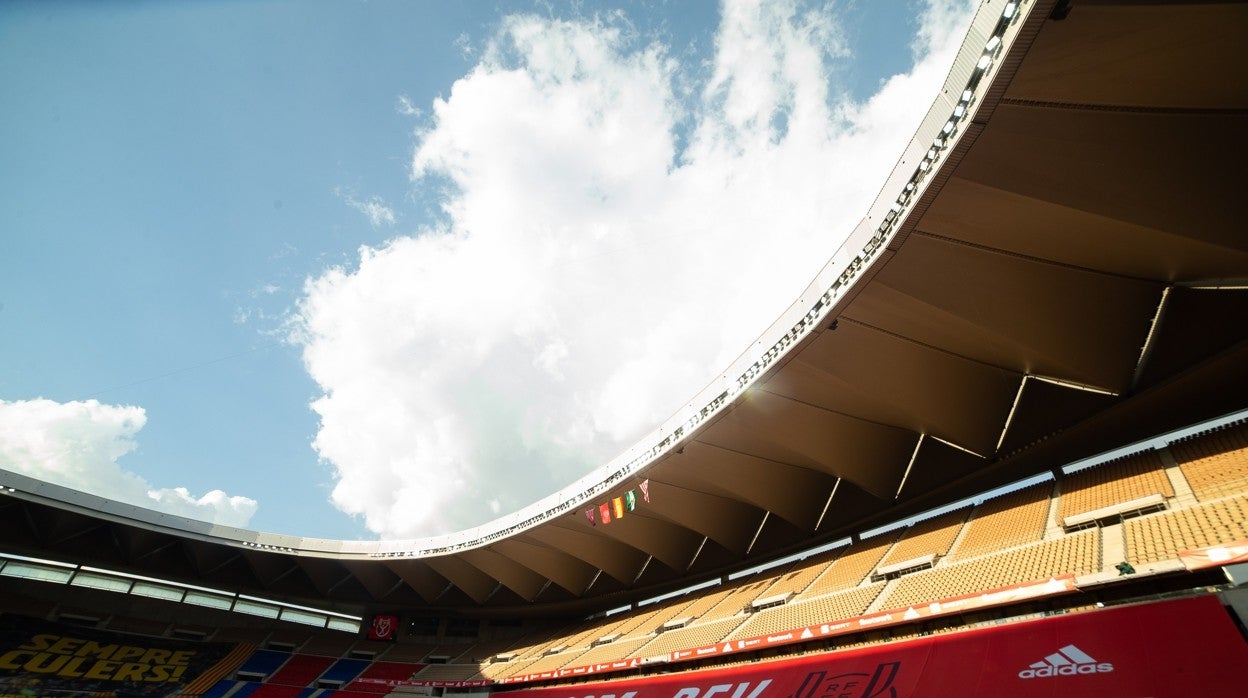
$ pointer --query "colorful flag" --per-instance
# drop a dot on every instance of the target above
(589, 514)
(630, 500)
(604, 513)
(645, 489)
(618, 503)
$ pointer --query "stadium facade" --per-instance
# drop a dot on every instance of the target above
(1053, 270)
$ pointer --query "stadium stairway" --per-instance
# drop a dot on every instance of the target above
(957, 541)
(1113, 546)
(1183, 494)
(884, 594)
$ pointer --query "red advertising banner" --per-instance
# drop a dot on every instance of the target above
(1171, 648)
(1215, 556)
(395, 683)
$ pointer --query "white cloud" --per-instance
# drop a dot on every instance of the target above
(373, 208)
(464, 43)
(78, 445)
(405, 107)
(589, 276)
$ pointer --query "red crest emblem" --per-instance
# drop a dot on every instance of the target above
(383, 627)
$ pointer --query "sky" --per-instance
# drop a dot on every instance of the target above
(380, 269)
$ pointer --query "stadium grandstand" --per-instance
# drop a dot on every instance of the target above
(997, 447)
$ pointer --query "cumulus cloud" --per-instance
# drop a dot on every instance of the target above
(78, 445)
(610, 241)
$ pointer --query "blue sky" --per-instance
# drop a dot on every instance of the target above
(395, 268)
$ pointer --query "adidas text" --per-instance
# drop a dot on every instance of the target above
(1068, 670)
(1067, 661)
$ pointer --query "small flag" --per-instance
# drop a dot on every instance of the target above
(589, 514)
(645, 489)
(384, 627)
(630, 500)
(618, 503)
(604, 513)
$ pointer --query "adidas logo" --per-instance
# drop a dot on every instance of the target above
(1067, 661)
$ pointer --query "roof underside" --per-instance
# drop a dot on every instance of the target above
(1075, 278)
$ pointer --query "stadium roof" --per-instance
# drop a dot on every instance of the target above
(1055, 268)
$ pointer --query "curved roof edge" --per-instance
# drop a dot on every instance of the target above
(990, 35)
